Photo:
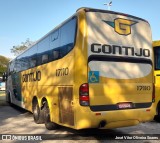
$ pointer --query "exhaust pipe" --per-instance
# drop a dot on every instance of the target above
(102, 123)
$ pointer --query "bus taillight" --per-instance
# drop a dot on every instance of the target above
(84, 94)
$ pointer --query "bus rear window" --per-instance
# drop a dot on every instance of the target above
(120, 70)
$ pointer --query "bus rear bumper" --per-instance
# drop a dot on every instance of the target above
(112, 119)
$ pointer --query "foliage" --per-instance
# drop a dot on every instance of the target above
(16, 50)
(3, 64)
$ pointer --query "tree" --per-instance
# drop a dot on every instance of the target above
(3, 64)
(16, 50)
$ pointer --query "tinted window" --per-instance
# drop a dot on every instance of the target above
(157, 58)
(32, 56)
(23, 60)
(55, 36)
(43, 47)
(54, 46)
(11, 66)
(67, 33)
(26, 60)
(56, 54)
(45, 58)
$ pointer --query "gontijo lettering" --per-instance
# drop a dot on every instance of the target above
(31, 77)
(121, 50)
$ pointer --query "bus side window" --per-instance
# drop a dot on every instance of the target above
(54, 36)
(44, 58)
(67, 42)
(12, 67)
(33, 63)
(56, 55)
(9, 68)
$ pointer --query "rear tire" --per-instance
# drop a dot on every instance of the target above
(48, 124)
(38, 114)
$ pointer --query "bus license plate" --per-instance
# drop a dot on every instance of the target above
(124, 105)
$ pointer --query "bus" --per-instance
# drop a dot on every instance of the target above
(95, 70)
(156, 48)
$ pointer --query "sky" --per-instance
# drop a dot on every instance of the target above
(22, 19)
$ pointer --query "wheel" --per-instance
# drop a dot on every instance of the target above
(38, 114)
(48, 124)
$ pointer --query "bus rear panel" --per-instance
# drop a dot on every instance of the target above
(118, 90)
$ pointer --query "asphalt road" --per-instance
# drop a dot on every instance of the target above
(18, 122)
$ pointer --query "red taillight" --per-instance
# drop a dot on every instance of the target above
(84, 98)
(84, 94)
(84, 88)
(153, 94)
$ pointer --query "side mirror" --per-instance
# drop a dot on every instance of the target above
(4, 78)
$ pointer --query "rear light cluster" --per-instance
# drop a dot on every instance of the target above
(84, 94)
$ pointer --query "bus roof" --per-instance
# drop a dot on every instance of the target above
(108, 11)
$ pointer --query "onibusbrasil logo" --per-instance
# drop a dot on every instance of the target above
(121, 26)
